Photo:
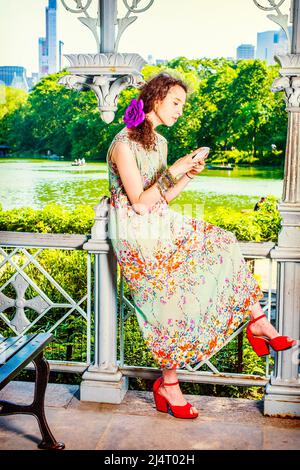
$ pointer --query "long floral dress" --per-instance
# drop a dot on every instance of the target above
(189, 281)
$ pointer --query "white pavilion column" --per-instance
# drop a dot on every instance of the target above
(103, 382)
(108, 10)
(282, 396)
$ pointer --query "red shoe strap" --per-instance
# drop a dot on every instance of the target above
(258, 318)
(175, 383)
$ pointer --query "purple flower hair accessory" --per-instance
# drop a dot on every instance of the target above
(134, 114)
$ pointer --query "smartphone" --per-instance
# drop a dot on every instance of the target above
(201, 155)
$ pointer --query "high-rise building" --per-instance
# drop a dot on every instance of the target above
(43, 57)
(60, 48)
(51, 36)
(32, 80)
(245, 51)
(271, 43)
(14, 76)
(48, 45)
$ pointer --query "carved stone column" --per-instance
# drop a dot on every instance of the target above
(283, 392)
(107, 73)
(103, 382)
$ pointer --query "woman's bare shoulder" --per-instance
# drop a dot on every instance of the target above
(122, 136)
(121, 148)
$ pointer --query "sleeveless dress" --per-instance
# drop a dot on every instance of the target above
(190, 284)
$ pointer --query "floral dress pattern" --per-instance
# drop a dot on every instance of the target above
(190, 284)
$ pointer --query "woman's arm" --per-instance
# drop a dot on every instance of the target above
(131, 178)
(182, 182)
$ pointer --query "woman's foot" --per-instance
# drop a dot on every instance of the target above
(174, 396)
(263, 327)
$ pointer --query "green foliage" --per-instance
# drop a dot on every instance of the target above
(50, 219)
(269, 220)
(261, 225)
(242, 225)
(229, 107)
(11, 99)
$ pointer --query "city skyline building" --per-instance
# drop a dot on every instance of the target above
(60, 48)
(51, 36)
(271, 43)
(43, 57)
(245, 52)
(14, 76)
(33, 80)
(48, 45)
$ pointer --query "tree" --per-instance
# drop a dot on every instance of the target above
(11, 102)
(229, 105)
(11, 99)
(251, 103)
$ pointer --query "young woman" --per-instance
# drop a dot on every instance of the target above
(189, 281)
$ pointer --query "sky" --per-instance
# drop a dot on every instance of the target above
(170, 28)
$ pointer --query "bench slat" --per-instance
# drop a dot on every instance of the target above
(11, 346)
(19, 360)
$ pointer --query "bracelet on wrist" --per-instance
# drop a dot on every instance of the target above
(165, 182)
(171, 178)
(163, 185)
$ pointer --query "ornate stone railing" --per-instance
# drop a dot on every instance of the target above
(23, 273)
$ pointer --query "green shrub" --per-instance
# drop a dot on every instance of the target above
(258, 226)
(51, 219)
(261, 225)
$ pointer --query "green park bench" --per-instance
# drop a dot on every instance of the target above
(15, 353)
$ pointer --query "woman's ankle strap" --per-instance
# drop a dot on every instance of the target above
(258, 318)
(174, 383)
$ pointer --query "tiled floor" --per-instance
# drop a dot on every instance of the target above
(223, 423)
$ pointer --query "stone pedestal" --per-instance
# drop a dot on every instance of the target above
(103, 386)
(103, 382)
(283, 392)
(282, 397)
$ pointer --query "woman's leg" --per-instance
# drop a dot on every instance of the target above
(263, 326)
(173, 393)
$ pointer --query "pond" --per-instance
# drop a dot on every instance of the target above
(36, 183)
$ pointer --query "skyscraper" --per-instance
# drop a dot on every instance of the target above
(43, 57)
(271, 43)
(48, 45)
(51, 36)
(245, 51)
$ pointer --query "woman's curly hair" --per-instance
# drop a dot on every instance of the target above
(156, 89)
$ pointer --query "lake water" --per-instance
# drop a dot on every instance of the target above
(36, 183)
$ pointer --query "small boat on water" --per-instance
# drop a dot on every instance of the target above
(228, 166)
(78, 162)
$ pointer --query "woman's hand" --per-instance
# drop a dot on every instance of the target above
(197, 168)
(185, 164)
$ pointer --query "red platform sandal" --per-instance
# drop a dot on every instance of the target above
(163, 405)
(260, 344)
